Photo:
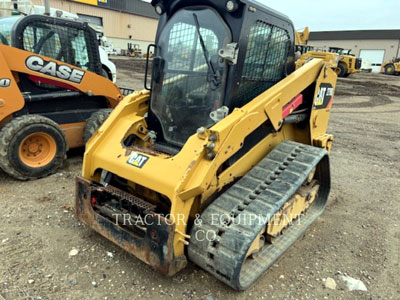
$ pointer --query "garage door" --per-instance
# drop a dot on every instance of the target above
(372, 59)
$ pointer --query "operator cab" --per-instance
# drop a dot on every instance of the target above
(60, 39)
(302, 49)
(211, 57)
(340, 51)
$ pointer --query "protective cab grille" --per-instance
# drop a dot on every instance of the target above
(265, 60)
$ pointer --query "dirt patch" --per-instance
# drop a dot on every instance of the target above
(370, 93)
(365, 88)
(134, 65)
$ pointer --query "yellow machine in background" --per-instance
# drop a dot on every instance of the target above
(346, 65)
(225, 151)
(134, 50)
(301, 37)
(305, 53)
(331, 58)
(391, 67)
(301, 40)
(348, 62)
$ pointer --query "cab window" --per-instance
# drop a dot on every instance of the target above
(57, 42)
(265, 60)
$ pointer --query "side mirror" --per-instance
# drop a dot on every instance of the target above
(158, 65)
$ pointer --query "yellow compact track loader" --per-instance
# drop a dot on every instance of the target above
(309, 54)
(52, 94)
(391, 67)
(224, 161)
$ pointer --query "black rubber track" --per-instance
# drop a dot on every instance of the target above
(245, 209)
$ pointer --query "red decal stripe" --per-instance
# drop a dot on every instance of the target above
(292, 105)
(52, 82)
(329, 103)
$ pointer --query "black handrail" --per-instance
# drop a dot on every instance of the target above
(147, 65)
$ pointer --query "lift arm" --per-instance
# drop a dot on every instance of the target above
(46, 70)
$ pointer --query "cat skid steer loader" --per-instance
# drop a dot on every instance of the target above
(224, 161)
(52, 94)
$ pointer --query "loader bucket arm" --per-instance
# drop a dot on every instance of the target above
(302, 37)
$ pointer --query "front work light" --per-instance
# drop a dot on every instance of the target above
(231, 6)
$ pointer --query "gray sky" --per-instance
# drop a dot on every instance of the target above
(340, 14)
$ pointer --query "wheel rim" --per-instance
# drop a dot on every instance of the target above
(337, 70)
(389, 69)
(37, 150)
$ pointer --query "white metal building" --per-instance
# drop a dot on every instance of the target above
(123, 21)
(373, 46)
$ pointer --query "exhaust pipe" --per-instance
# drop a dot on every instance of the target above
(47, 7)
(15, 5)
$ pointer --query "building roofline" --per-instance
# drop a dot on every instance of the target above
(134, 7)
(379, 34)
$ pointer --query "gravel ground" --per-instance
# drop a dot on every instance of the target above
(45, 253)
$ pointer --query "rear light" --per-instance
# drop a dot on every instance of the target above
(159, 9)
(93, 201)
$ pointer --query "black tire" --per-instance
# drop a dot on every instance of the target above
(15, 132)
(3, 39)
(390, 69)
(346, 75)
(105, 73)
(94, 123)
(342, 70)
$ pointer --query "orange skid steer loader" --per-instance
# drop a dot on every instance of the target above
(52, 94)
